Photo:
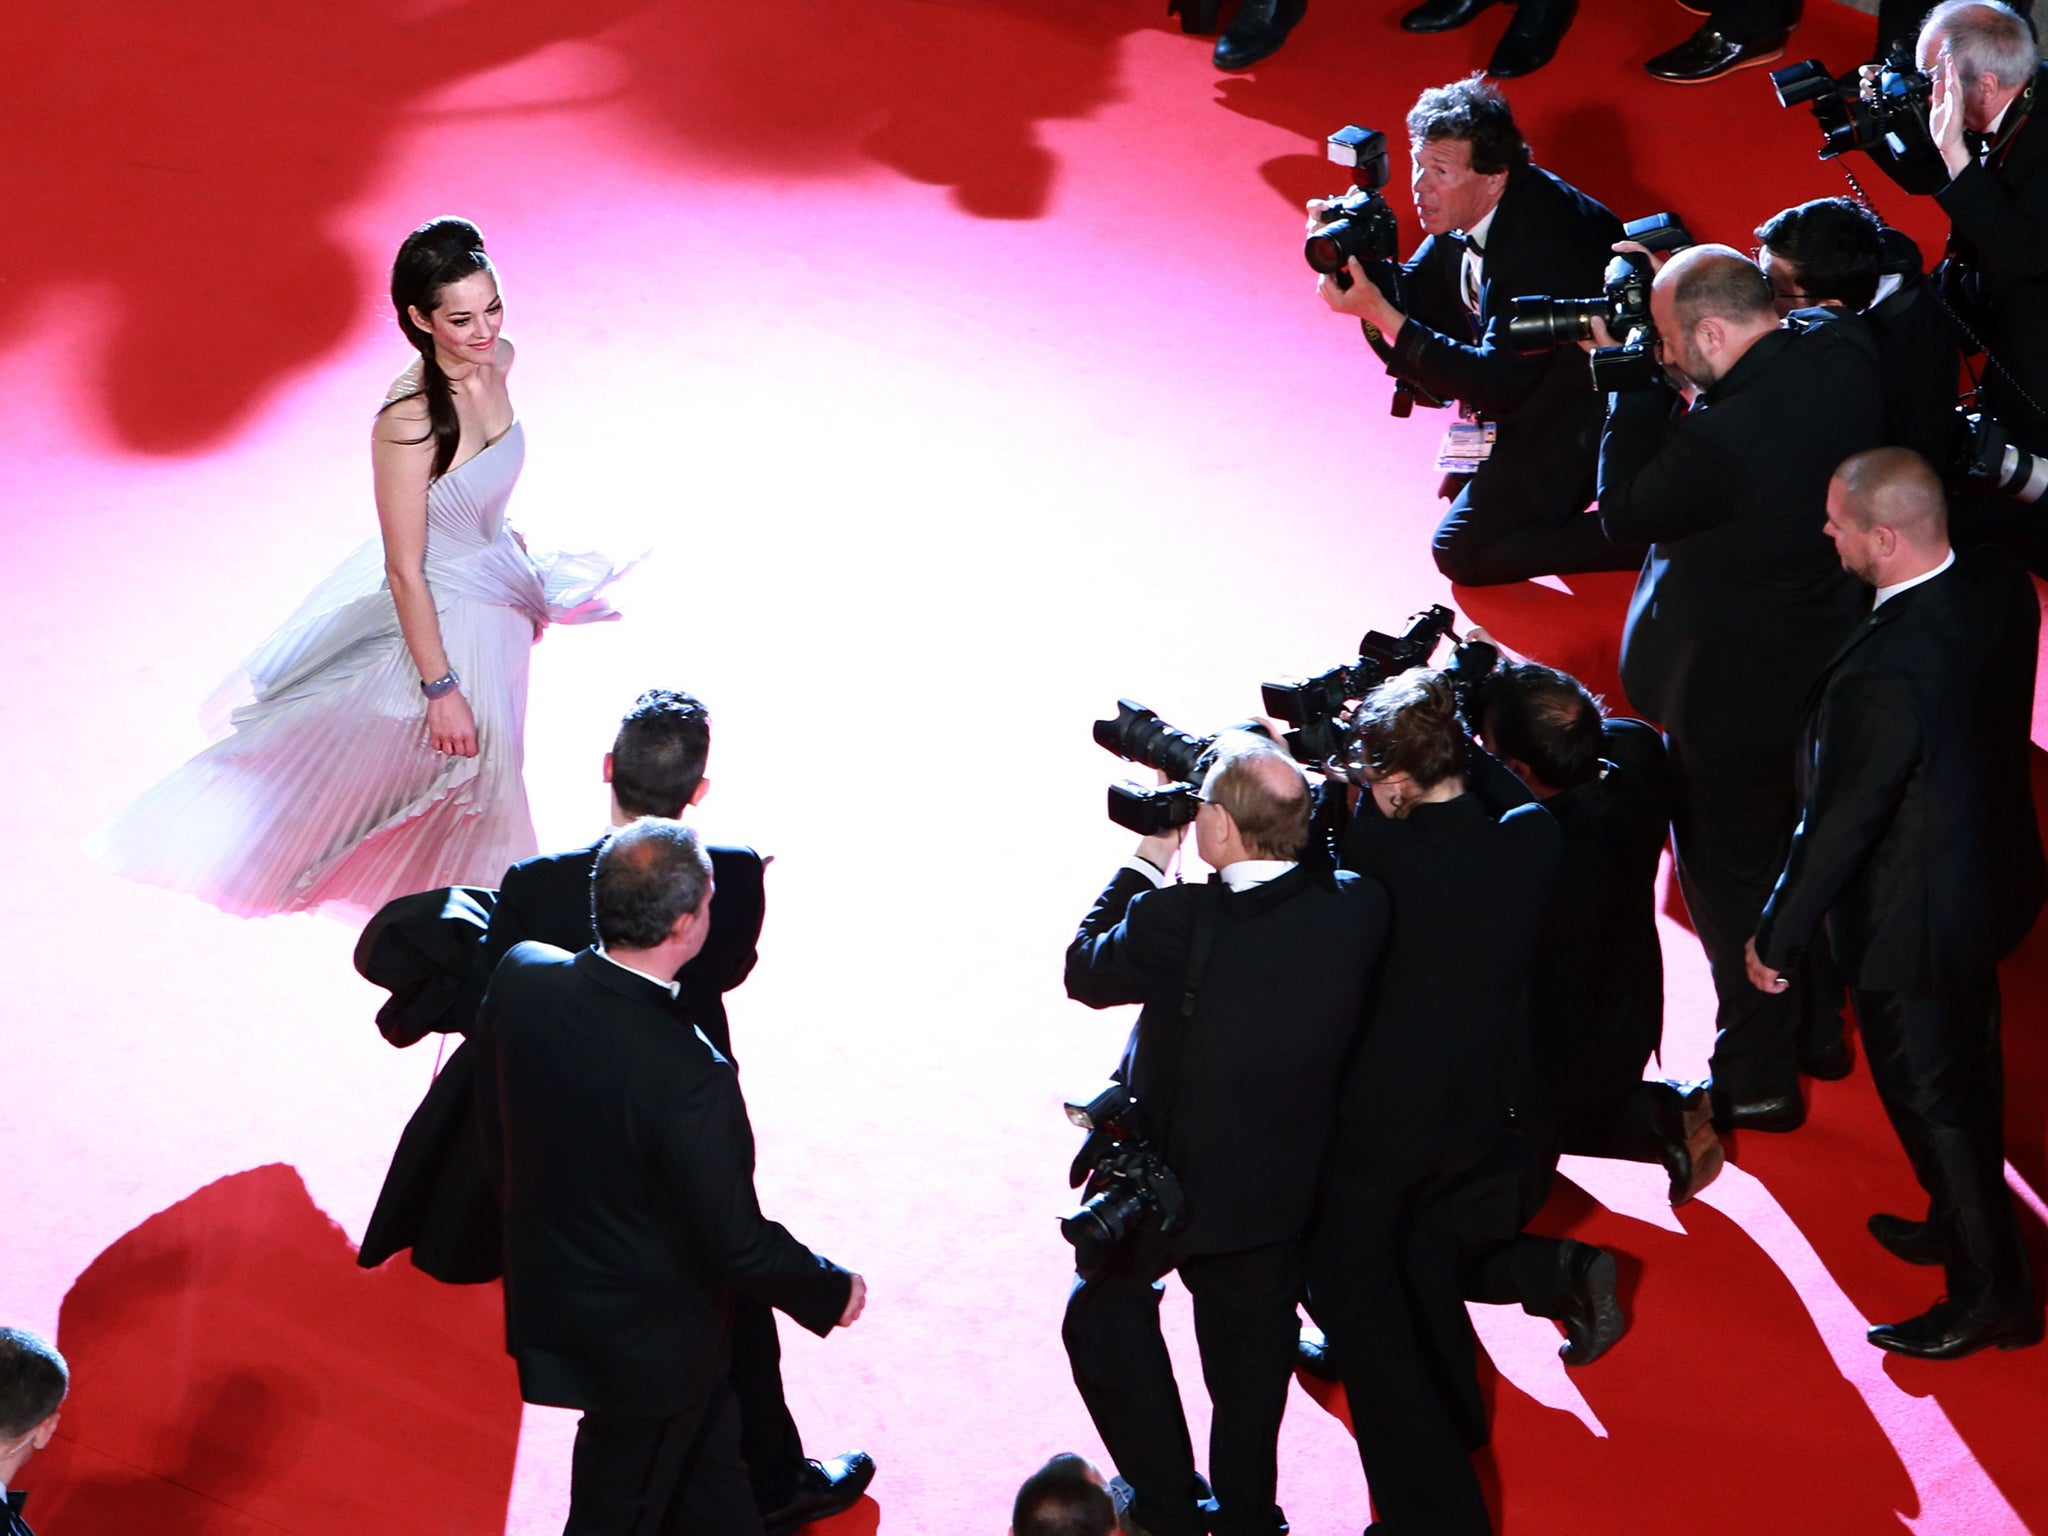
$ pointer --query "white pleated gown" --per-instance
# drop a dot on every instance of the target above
(324, 792)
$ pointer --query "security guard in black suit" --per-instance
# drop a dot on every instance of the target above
(33, 1382)
(620, 1147)
(1918, 845)
(1498, 227)
(1739, 607)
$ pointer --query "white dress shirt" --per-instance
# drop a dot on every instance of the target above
(1241, 876)
(1886, 594)
(667, 984)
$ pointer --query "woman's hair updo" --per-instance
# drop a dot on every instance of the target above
(1409, 724)
(440, 252)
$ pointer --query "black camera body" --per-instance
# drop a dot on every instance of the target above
(1895, 114)
(1538, 323)
(1359, 224)
(1987, 455)
(1138, 735)
(1314, 706)
(1128, 1182)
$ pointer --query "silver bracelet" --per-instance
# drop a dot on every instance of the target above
(441, 686)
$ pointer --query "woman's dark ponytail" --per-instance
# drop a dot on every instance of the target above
(439, 252)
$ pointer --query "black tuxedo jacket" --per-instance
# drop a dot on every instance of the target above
(621, 1146)
(1445, 1055)
(15, 1525)
(1742, 599)
(547, 899)
(1920, 360)
(1547, 237)
(1918, 842)
(1248, 1109)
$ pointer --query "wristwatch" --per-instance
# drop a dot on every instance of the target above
(441, 686)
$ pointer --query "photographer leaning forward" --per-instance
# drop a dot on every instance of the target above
(1497, 226)
(1441, 1072)
(1253, 985)
(1738, 609)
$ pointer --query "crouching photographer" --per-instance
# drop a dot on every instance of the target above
(1253, 986)
(1498, 227)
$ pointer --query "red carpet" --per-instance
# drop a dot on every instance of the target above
(958, 362)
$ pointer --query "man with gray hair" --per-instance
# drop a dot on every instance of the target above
(1253, 986)
(1919, 849)
(621, 1149)
(1987, 166)
(33, 1381)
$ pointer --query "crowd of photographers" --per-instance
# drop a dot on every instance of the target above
(1428, 962)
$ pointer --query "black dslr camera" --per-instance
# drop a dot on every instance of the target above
(1987, 455)
(1314, 705)
(1138, 735)
(1128, 1181)
(1359, 224)
(1542, 324)
(1895, 115)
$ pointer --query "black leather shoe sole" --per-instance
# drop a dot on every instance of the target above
(1917, 1242)
(1707, 56)
(2021, 1331)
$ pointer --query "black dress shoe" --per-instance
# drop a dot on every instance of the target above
(822, 1489)
(1693, 1156)
(1257, 31)
(1531, 39)
(1312, 1356)
(1593, 1318)
(1708, 55)
(1917, 1242)
(1442, 15)
(1831, 1063)
(1780, 1112)
(1949, 1330)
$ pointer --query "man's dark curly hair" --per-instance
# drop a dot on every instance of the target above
(1835, 244)
(1479, 114)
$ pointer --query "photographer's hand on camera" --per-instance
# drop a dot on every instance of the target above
(1363, 300)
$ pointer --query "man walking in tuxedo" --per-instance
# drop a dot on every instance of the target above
(656, 768)
(1738, 608)
(621, 1147)
(1919, 848)
(1253, 986)
(33, 1381)
(1498, 227)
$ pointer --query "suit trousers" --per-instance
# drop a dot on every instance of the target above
(1246, 1327)
(769, 1442)
(1497, 531)
(1384, 1286)
(1936, 1062)
(677, 1476)
(1736, 811)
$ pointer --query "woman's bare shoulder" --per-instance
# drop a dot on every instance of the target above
(502, 358)
(404, 409)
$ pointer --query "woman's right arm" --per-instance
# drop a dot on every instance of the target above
(401, 466)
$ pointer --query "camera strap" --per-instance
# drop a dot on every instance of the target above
(1209, 901)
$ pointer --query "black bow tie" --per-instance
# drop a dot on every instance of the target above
(1458, 237)
(16, 1497)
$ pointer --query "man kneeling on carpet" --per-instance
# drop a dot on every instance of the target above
(620, 1143)
(1253, 986)
(33, 1381)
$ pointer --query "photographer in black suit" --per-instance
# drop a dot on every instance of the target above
(1253, 985)
(1919, 847)
(1985, 160)
(1738, 609)
(622, 1150)
(1497, 227)
(33, 1382)
(1834, 253)
(1441, 1077)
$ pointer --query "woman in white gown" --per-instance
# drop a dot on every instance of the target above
(378, 744)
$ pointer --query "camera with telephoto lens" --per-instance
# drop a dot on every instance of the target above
(1540, 324)
(1895, 114)
(1989, 456)
(1314, 706)
(1128, 1182)
(1360, 223)
(1138, 735)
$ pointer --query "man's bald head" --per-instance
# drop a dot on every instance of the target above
(1897, 489)
(1716, 282)
(1265, 794)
